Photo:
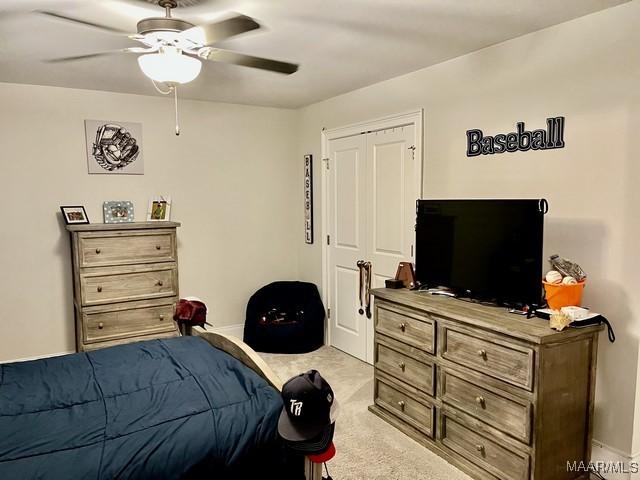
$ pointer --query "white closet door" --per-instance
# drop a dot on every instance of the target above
(347, 176)
(391, 206)
(372, 191)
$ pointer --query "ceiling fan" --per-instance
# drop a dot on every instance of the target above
(173, 48)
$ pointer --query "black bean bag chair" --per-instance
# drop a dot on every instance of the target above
(285, 317)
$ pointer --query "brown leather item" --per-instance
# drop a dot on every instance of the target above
(406, 274)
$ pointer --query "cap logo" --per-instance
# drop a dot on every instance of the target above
(296, 407)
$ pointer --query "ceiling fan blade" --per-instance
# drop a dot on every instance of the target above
(227, 56)
(211, 33)
(100, 54)
(80, 22)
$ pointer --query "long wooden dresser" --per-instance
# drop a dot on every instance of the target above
(125, 282)
(498, 395)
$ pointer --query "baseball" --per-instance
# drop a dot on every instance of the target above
(569, 281)
(553, 276)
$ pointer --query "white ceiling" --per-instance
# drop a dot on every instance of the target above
(341, 45)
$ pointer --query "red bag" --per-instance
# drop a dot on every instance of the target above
(190, 312)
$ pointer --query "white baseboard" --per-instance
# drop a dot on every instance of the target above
(37, 357)
(235, 330)
(610, 456)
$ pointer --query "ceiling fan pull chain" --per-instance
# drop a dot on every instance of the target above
(159, 90)
(175, 97)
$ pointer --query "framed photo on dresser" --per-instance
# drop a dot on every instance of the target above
(74, 215)
(159, 209)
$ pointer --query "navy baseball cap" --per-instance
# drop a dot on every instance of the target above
(309, 412)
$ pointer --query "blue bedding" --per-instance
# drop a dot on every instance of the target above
(175, 408)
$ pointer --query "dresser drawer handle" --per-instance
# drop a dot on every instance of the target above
(480, 449)
(159, 283)
(402, 366)
(403, 326)
(480, 401)
(158, 247)
(401, 404)
(161, 317)
(98, 251)
(101, 325)
(483, 354)
(99, 289)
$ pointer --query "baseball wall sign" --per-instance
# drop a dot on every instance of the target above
(521, 139)
(114, 147)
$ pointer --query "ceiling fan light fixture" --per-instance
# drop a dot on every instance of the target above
(170, 66)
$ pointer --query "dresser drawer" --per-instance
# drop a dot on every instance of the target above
(126, 248)
(407, 325)
(490, 355)
(417, 374)
(413, 412)
(119, 323)
(482, 451)
(98, 288)
(511, 416)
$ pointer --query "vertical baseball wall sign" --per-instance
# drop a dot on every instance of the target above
(521, 139)
(308, 198)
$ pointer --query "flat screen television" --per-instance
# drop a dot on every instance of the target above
(489, 250)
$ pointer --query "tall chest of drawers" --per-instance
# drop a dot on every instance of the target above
(498, 395)
(125, 282)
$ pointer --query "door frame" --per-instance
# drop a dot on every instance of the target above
(413, 117)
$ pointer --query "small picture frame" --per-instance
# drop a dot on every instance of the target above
(74, 215)
(159, 209)
(118, 211)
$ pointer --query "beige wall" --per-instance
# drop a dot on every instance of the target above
(230, 174)
(234, 175)
(587, 70)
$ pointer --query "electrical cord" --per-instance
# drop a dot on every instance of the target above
(328, 477)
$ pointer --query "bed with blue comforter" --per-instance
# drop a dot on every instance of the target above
(175, 408)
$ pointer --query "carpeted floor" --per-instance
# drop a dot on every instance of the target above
(367, 447)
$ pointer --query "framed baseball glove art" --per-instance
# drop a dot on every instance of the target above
(114, 147)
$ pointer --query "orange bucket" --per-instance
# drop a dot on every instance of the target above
(560, 295)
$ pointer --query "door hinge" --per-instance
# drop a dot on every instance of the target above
(328, 240)
(411, 251)
(326, 162)
(328, 313)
